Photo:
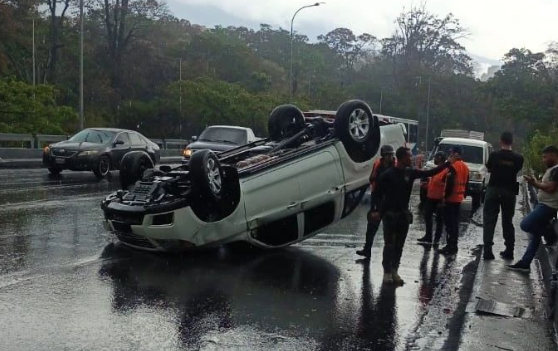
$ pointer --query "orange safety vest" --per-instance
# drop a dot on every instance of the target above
(460, 182)
(437, 186)
(375, 174)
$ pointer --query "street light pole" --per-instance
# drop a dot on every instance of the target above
(427, 115)
(33, 52)
(81, 118)
(291, 69)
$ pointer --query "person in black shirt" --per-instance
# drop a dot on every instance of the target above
(502, 189)
(380, 166)
(390, 202)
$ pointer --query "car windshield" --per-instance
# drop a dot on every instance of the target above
(224, 135)
(471, 154)
(93, 136)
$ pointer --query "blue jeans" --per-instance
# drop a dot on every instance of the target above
(534, 224)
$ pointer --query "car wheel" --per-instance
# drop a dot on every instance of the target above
(103, 167)
(132, 168)
(54, 170)
(358, 130)
(207, 176)
(284, 122)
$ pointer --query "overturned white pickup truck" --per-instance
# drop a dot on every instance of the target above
(311, 172)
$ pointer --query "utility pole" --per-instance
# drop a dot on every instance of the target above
(180, 88)
(381, 99)
(427, 116)
(81, 117)
(34, 52)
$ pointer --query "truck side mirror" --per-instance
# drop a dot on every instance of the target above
(194, 138)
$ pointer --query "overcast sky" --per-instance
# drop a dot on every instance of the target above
(495, 25)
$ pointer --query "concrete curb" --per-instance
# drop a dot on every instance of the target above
(548, 258)
(38, 163)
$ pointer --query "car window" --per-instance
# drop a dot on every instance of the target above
(144, 139)
(123, 137)
(93, 136)
(136, 139)
(471, 154)
(224, 135)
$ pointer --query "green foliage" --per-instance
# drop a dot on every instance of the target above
(28, 109)
(532, 151)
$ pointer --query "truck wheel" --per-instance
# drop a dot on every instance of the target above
(54, 170)
(358, 130)
(207, 176)
(132, 167)
(284, 122)
(103, 167)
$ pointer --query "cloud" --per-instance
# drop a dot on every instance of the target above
(496, 26)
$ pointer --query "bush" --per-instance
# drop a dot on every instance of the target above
(533, 148)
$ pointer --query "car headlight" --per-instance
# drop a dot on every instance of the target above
(477, 176)
(187, 153)
(88, 153)
(46, 150)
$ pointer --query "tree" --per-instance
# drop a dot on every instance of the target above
(350, 47)
(57, 17)
(423, 41)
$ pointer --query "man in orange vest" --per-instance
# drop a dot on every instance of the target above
(435, 196)
(457, 179)
(383, 163)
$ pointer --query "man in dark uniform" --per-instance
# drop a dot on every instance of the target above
(380, 166)
(502, 189)
(390, 202)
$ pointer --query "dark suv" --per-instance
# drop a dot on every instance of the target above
(97, 149)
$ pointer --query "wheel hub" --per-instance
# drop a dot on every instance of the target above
(214, 176)
(359, 124)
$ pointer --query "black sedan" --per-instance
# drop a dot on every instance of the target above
(97, 149)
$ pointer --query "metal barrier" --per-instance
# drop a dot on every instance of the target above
(49, 138)
(38, 140)
(24, 138)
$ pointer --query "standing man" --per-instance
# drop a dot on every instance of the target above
(380, 166)
(536, 221)
(434, 202)
(390, 202)
(457, 179)
(503, 187)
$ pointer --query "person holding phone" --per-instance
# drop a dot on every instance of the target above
(535, 223)
(503, 165)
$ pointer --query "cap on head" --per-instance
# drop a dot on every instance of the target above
(387, 149)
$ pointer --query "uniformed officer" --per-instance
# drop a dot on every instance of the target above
(503, 165)
(457, 179)
(383, 163)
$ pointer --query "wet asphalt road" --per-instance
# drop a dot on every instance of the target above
(66, 285)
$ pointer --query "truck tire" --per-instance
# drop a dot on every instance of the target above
(207, 176)
(132, 167)
(358, 130)
(284, 122)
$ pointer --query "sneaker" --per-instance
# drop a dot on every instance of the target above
(364, 253)
(507, 254)
(448, 250)
(425, 240)
(388, 278)
(520, 266)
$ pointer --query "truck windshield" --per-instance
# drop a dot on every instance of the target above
(224, 135)
(471, 154)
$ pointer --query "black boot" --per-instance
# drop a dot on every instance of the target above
(507, 254)
(487, 254)
(425, 240)
(364, 252)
